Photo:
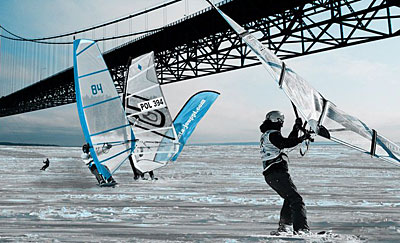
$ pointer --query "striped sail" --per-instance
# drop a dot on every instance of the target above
(147, 111)
(101, 113)
(324, 118)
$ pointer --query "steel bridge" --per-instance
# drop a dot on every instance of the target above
(203, 44)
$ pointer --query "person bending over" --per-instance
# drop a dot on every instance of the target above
(46, 164)
(88, 160)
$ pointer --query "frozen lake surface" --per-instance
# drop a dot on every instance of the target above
(211, 194)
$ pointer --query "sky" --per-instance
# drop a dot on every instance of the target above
(362, 80)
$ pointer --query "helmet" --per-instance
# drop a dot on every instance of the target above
(275, 116)
(85, 148)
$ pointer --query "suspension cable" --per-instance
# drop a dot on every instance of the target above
(94, 27)
(71, 42)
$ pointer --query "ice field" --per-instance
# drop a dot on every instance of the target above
(213, 193)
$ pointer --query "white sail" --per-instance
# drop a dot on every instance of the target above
(324, 118)
(101, 113)
(147, 111)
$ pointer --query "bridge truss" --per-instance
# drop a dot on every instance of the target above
(203, 44)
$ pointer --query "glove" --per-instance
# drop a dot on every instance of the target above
(298, 121)
(306, 136)
(298, 124)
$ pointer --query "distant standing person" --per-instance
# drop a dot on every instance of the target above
(276, 173)
(151, 174)
(87, 158)
(138, 174)
(46, 164)
(152, 177)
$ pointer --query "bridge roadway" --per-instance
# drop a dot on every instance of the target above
(203, 44)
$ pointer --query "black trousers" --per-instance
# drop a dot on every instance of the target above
(96, 173)
(293, 210)
(44, 167)
(136, 172)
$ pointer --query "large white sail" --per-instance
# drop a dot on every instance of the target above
(101, 113)
(324, 118)
(147, 111)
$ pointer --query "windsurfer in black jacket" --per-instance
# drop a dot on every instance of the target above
(276, 174)
(46, 164)
(88, 160)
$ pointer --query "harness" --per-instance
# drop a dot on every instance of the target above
(268, 150)
(270, 154)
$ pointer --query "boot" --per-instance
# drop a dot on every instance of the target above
(283, 229)
(302, 232)
(111, 180)
(153, 178)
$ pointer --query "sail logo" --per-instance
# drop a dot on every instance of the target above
(185, 126)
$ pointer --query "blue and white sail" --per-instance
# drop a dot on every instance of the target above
(148, 113)
(324, 118)
(100, 109)
(190, 115)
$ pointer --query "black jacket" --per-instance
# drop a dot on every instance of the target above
(280, 142)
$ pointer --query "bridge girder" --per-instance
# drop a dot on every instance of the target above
(204, 44)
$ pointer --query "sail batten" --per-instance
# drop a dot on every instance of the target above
(109, 130)
(141, 91)
(141, 73)
(122, 152)
(93, 73)
(155, 129)
(137, 113)
(85, 48)
(100, 102)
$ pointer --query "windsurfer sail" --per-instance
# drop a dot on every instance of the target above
(191, 114)
(323, 117)
(147, 112)
(101, 114)
(157, 141)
